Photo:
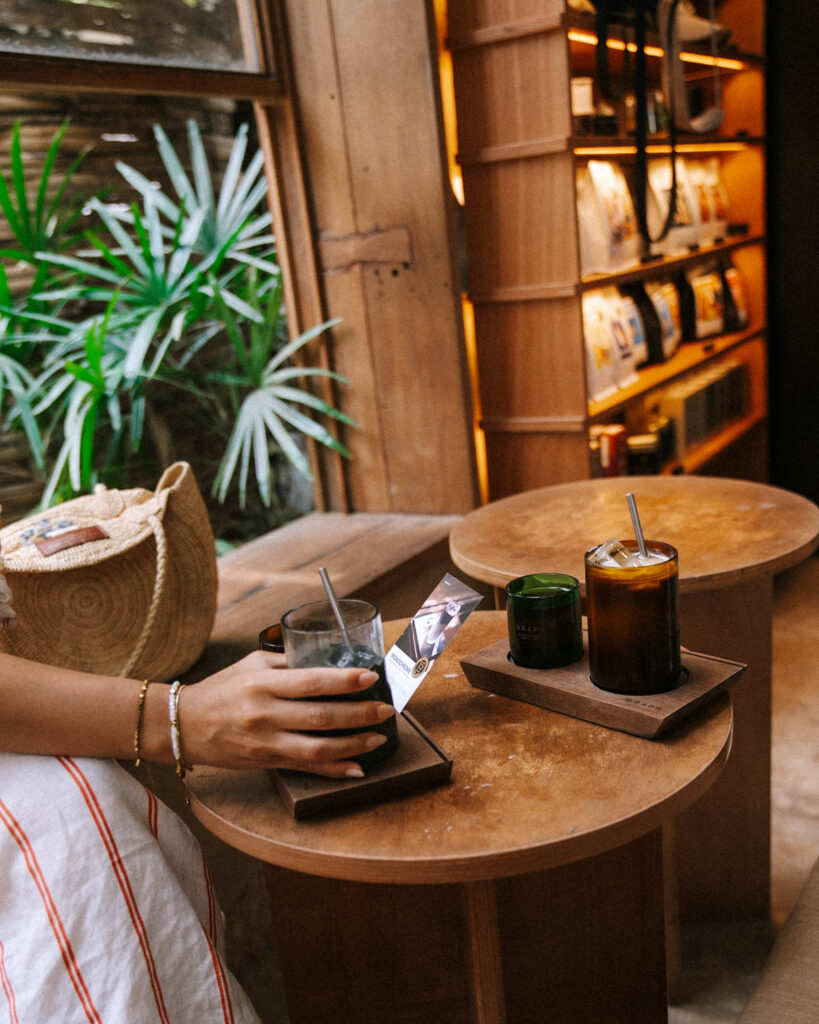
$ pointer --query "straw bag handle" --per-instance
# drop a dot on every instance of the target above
(159, 583)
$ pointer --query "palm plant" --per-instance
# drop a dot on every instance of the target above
(45, 222)
(185, 298)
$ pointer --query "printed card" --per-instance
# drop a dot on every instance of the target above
(432, 627)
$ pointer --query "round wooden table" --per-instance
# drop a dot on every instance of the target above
(732, 536)
(529, 887)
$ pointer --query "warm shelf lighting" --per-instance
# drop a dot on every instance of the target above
(450, 119)
(726, 63)
(481, 460)
(662, 148)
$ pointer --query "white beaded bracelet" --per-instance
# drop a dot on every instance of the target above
(176, 739)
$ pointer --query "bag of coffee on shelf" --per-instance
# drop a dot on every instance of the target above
(633, 321)
(711, 199)
(666, 300)
(605, 213)
(734, 297)
(709, 308)
(601, 369)
(684, 233)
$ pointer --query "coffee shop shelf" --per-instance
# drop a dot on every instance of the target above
(625, 150)
(581, 32)
(704, 453)
(519, 155)
(690, 356)
(667, 264)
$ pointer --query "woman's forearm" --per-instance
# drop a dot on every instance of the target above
(252, 714)
(50, 710)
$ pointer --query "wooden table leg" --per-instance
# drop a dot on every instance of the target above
(485, 953)
(723, 841)
(673, 950)
(578, 944)
(384, 954)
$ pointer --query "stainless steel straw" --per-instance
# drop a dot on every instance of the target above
(331, 597)
(638, 530)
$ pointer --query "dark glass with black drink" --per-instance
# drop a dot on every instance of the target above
(313, 638)
(340, 656)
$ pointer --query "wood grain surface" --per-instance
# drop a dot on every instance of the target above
(530, 788)
(725, 530)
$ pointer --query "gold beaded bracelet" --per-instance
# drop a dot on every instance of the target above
(140, 709)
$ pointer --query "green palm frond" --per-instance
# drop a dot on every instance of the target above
(49, 223)
(179, 294)
(269, 415)
(232, 223)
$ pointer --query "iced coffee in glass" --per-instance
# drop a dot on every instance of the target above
(632, 607)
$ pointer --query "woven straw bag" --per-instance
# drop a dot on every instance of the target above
(114, 582)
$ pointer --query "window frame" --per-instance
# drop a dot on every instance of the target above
(268, 90)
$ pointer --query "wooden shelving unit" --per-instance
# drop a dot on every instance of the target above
(512, 67)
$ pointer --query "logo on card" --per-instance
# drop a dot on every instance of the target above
(420, 667)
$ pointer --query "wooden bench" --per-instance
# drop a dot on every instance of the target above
(788, 992)
(393, 560)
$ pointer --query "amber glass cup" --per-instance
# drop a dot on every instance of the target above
(271, 639)
(544, 620)
(634, 621)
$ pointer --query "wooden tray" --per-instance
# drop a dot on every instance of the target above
(570, 691)
(417, 763)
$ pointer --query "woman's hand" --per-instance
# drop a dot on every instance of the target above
(253, 715)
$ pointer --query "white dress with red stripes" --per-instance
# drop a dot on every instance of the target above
(106, 909)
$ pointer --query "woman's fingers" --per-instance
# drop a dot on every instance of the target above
(319, 682)
(329, 769)
(309, 715)
(313, 750)
(271, 669)
(258, 713)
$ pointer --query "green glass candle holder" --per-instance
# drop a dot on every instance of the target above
(544, 618)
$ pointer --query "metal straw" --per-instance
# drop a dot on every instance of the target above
(331, 597)
(638, 530)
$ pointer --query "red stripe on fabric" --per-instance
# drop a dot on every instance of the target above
(8, 991)
(221, 981)
(213, 920)
(54, 919)
(122, 878)
(153, 814)
(212, 937)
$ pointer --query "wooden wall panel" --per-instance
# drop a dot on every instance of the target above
(367, 98)
(530, 363)
(750, 260)
(512, 92)
(747, 21)
(511, 79)
(744, 177)
(521, 461)
(521, 229)
(743, 100)
(478, 14)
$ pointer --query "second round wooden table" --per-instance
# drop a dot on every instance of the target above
(732, 537)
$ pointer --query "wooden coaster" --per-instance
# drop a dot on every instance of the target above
(570, 691)
(417, 763)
